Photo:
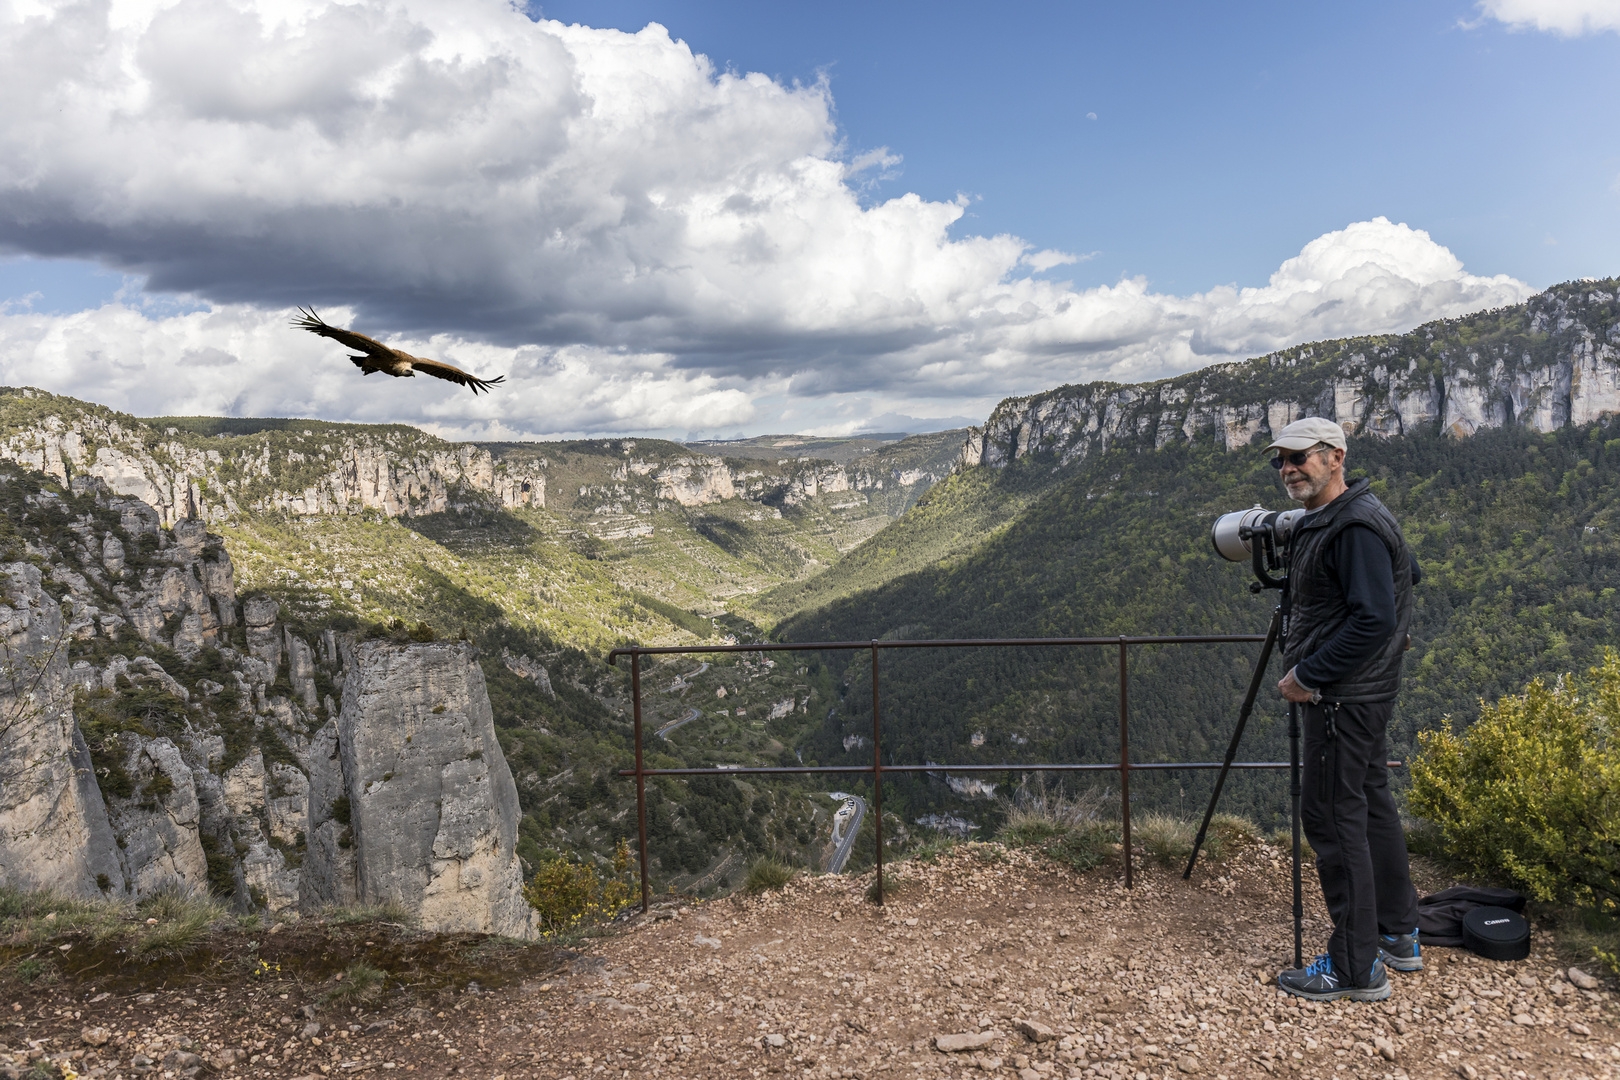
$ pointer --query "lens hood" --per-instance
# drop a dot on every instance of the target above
(1230, 533)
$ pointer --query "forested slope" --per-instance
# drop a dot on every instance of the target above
(1073, 534)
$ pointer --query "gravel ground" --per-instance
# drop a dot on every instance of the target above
(1036, 972)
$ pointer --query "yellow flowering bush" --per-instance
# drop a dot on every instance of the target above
(1532, 790)
(572, 895)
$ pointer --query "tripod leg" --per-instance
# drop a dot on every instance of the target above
(1294, 792)
(1237, 736)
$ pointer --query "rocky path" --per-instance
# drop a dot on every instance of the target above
(1043, 974)
(1016, 968)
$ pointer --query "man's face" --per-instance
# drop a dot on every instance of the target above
(1305, 482)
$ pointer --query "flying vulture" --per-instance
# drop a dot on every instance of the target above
(379, 357)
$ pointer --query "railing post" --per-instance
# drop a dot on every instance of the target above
(877, 775)
(641, 779)
(1124, 762)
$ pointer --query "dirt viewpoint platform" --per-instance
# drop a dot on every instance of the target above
(1038, 973)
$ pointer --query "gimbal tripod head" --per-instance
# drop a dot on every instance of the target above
(1260, 536)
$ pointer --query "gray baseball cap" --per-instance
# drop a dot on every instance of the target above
(1305, 433)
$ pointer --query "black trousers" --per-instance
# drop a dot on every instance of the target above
(1349, 817)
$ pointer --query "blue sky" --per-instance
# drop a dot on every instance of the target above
(1226, 134)
(667, 249)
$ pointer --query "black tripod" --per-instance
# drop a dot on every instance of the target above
(1276, 631)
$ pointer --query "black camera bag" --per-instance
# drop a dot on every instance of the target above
(1441, 916)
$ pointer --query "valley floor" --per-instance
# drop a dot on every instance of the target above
(1168, 979)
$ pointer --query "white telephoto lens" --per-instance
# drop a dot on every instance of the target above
(1224, 534)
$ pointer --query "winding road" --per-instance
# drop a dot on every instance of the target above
(691, 715)
(682, 681)
(846, 826)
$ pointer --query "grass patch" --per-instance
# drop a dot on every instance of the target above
(1084, 846)
(1284, 839)
(1593, 936)
(1073, 832)
(388, 911)
(989, 854)
(183, 921)
(1041, 805)
(1069, 829)
(31, 969)
(932, 850)
(767, 875)
(42, 1070)
(33, 918)
(893, 886)
(1228, 834)
(1034, 833)
(1162, 838)
(569, 937)
(358, 982)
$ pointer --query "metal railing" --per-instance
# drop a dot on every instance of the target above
(1124, 766)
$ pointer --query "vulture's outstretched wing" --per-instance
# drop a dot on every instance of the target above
(390, 360)
(440, 370)
(312, 322)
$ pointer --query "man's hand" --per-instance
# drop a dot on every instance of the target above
(1290, 688)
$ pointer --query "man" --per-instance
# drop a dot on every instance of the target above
(1349, 604)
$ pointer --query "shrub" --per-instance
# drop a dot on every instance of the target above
(766, 875)
(31, 969)
(359, 982)
(221, 867)
(571, 895)
(1531, 791)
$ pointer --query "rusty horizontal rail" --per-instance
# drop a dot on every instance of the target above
(943, 643)
(1124, 766)
(1136, 766)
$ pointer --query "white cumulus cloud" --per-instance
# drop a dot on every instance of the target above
(1571, 18)
(640, 242)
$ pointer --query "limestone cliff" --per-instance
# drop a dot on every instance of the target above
(313, 468)
(54, 832)
(431, 804)
(693, 480)
(1550, 362)
(308, 468)
(226, 770)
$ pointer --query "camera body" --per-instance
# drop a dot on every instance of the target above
(1261, 536)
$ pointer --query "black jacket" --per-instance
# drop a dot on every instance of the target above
(1316, 602)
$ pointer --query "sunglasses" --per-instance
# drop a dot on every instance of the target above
(1297, 459)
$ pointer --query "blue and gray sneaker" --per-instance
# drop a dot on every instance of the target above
(1401, 951)
(1318, 981)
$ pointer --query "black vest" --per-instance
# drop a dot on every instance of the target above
(1316, 604)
